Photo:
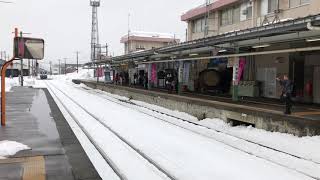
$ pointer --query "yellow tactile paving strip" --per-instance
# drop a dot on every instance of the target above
(33, 167)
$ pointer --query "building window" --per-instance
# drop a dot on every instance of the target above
(246, 11)
(295, 3)
(236, 15)
(198, 25)
(230, 16)
(249, 12)
(272, 5)
(140, 47)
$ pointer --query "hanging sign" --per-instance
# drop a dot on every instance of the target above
(28, 48)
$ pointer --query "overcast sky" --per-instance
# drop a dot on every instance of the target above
(66, 24)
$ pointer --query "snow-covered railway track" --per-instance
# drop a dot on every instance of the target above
(154, 167)
(308, 167)
(121, 102)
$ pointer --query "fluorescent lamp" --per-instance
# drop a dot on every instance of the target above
(193, 54)
(261, 46)
(313, 40)
(222, 50)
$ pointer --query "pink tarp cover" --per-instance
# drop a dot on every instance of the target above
(154, 73)
(242, 64)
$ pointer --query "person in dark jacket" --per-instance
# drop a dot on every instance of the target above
(287, 89)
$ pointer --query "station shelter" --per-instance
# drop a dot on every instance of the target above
(242, 63)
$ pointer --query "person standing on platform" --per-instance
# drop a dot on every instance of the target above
(135, 79)
(117, 78)
(287, 89)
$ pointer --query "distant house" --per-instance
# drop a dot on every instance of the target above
(138, 41)
(14, 70)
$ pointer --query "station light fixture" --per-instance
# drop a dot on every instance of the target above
(193, 54)
(313, 40)
(261, 46)
(222, 50)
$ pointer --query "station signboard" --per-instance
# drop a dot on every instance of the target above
(28, 48)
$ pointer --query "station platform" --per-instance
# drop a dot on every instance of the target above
(35, 120)
(262, 113)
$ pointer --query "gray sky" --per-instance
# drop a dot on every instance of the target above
(66, 24)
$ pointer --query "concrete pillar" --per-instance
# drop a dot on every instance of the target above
(180, 77)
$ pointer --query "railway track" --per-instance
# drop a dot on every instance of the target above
(109, 161)
(155, 114)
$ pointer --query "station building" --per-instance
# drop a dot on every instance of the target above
(223, 16)
(140, 41)
(238, 48)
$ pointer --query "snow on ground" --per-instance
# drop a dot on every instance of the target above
(256, 150)
(306, 147)
(181, 152)
(127, 160)
(83, 74)
(10, 148)
(10, 82)
(99, 162)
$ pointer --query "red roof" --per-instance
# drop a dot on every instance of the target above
(203, 9)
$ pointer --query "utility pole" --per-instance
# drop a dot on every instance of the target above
(29, 67)
(37, 67)
(51, 68)
(21, 71)
(11, 70)
(33, 68)
(1, 55)
(77, 52)
(65, 66)
(107, 49)
(59, 66)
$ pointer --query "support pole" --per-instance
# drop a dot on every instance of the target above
(149, 86)
(97, 73)
(21, 72)
(65, 66)
(77, 61)
(180, 77)
(3, 91)
(29, 67)
(21, 61)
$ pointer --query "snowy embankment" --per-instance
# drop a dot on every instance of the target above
(183, 153)
(10, 148)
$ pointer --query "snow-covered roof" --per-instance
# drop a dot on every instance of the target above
(142, 35)
(151, 34)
